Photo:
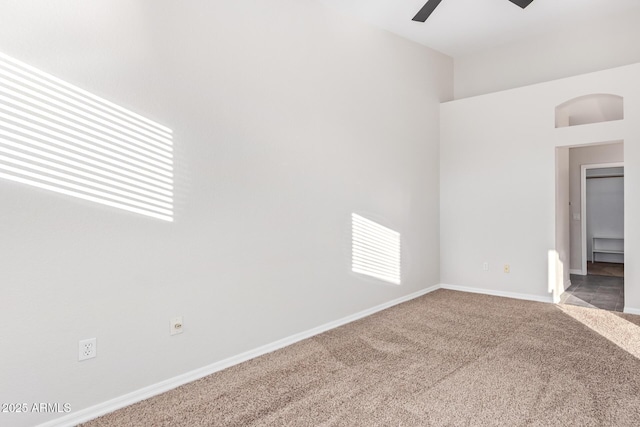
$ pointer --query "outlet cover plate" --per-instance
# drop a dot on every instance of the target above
(87, 349)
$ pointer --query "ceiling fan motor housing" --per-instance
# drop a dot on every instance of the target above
(521, 3)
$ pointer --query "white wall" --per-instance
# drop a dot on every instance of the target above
(578, 156)
(579, 49)
(286, 118)
(562, 226)
(497, 181)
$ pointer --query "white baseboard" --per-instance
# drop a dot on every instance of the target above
(100, 409)
(630, 310)
(515, 295)
(578, 272)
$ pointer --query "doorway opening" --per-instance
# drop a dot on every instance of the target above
(595, 221)
(602, 211)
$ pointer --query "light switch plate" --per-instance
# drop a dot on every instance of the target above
(176, 326)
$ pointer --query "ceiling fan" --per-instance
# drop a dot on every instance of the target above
(431, 5)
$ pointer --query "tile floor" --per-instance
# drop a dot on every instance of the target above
(602, 292)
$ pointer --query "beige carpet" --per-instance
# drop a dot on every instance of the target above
(445, 359)
(605, 269)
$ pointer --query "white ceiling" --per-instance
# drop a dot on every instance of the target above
(462, 27)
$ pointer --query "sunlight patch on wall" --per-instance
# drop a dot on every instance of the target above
(61, 138)
(375, 250)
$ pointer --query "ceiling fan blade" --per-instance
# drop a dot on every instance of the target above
(521, 3)
(427, 10)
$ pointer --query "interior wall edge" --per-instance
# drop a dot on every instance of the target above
(631, 310)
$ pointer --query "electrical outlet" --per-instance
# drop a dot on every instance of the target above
(485, 266)
(87, 349)
(507, 268)
(176, 325)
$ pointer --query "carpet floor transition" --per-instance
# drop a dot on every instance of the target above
(445, 359)
(605, 292)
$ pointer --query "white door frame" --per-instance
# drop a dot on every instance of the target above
(583, 203)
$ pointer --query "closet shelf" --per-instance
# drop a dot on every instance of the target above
(595, 250)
